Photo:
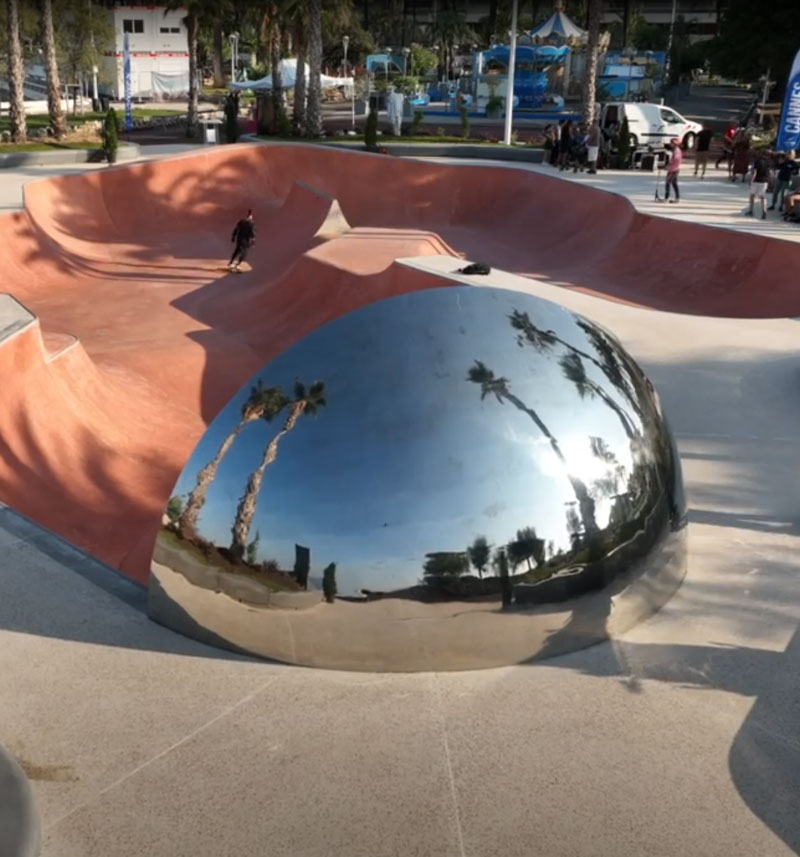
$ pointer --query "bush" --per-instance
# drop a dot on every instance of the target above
(407, 85)
(371, 131)
(416, 123)
(329, 582)
(464, 121)
(110, 135)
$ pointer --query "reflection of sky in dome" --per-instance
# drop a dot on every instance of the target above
(406, 459)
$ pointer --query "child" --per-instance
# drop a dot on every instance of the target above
(758, 185)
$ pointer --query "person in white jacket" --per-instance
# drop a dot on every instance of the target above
(394, 106)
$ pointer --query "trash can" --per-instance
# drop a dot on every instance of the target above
(210, 130)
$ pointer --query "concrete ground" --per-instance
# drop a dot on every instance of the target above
(679, 738)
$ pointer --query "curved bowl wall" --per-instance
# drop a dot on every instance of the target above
(450, 479)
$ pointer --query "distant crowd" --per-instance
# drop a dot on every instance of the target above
(774, 177)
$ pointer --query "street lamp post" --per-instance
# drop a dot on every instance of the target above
(386, 64)
(345, 46)
(406, 52)
(234, 39)
(512, 60)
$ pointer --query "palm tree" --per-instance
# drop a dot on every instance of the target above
(196, 10)
(592, 51)
(271, 31)
(19, 127)
(499, 387)
(479, 553)
(51, 70)
(306, 401)
(314, 105)
(263, 403)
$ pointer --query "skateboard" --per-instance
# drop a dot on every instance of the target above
(228, 270)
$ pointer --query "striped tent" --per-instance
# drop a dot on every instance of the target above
(558, 26)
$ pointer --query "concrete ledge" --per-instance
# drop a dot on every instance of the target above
(126, 152)
(485, 151)
(20, 828)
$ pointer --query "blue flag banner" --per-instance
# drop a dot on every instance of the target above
(789, 129)
(126, 74)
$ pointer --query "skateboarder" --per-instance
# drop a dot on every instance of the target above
(244, 235)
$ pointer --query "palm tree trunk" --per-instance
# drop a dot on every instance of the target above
(192, 26)
(246, 510)
(275, 60)
(299, 113)
(19, 127)
(585, 502)
(590, 72)
(187, 523)
(54, 109)
(216, 55)
(314, 108)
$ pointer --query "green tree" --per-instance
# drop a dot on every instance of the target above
(329, 582)
(252, 549)
(175, 508)
(479, 553)
(16, 74)
(263, 403)
(500, 388)
(526, 546)
(84, 33)
(500, 563)
(307, 401)
(753, 40)
(110, 134)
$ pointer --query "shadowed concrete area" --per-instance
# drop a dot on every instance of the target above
(680, 737)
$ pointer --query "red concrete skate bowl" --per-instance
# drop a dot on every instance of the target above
(140, 337)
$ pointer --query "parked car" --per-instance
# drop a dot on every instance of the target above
(650, 124)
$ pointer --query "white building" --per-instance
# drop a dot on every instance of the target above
(158, 48)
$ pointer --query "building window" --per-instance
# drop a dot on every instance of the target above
(132, 25)
(170, 30)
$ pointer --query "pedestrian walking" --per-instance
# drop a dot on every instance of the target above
(673, 170)
(759, 178)
(244, 236)
(702, 149)
(787, 167)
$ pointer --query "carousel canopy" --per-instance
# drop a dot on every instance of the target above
(558, 25)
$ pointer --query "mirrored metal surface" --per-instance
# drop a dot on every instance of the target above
(449, 479)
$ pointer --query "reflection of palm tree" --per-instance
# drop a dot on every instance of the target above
(574, 371)
(306, 401)
(500, 563)
(499, 387)
(263, 403)
(525, 547)
(608, 364)
(478, 553)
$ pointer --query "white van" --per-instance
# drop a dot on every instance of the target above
(650, 124)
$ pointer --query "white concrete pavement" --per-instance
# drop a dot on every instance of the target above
(681, 738)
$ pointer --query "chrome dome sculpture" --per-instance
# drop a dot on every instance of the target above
(456, 478)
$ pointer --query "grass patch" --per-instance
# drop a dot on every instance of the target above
(13, 148)
(42, 120)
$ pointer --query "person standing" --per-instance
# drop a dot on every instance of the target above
(758, 185)
(787, 167)
(244, 236)
(564, 144)
(702, 149)
(673, 170)
(593, 146)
